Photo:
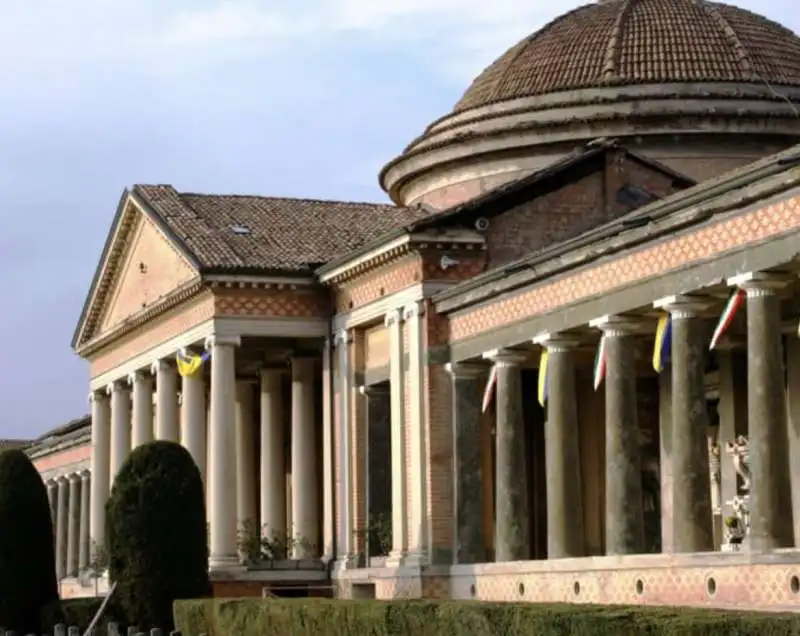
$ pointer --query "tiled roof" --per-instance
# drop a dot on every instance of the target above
(619, 42)
(240, 233)
(8, 444)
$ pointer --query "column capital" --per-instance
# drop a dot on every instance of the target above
(268, 370)
(506, 357)
(683, 305)
(729, 342)
(98, 395)
(615, 326)
(162, 365)
(414, 310)
(465, 370)
(557, 341)
(216, 340)
(393, 317)
(52, 482)
(139, 375)
(85, 474)
(342, 337)
(74, 478)
(62, 480)
(761, 283)
(116, 386)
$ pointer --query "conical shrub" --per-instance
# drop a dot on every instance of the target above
(28, 583)
(156, 534)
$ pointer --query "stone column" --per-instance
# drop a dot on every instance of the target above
(73, 524)
(52, 499)
(565, 536)
(793, 416)
(84, 541)
(222, 456)
(61, 527)
(624, 506)
(393, 322)
(142, 416)
(273, 454)
(469, 542)
(101, 439)
(512, 532)
(193, 414)
(771, 518)
(692, 517)
(418, 548)
(344, 540)
(167, 414)
(305, 486)
(120, 426)
(328, 462)
(245, 457)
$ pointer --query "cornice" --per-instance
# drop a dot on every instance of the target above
(187, 291)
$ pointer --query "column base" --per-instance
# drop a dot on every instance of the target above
(409, 560)
(223, 562)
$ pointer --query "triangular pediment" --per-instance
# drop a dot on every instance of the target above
(141, 267)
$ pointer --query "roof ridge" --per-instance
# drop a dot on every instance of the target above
(613, 48)
(739, 50)
(288, 198)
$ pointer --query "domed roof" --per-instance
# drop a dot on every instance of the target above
(623, 42)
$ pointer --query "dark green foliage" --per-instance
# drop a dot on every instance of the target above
(27, 559)
(312, 617)
(80, 612)
(156, 534)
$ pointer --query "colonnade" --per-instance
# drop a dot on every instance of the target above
(692, 522)
(217, 427)
(68, 496)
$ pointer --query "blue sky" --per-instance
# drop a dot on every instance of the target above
(238, 96)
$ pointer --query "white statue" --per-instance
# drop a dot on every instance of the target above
(738, 525)
(739, 449)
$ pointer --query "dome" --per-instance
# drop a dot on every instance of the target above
(704, 87)
(622, 42)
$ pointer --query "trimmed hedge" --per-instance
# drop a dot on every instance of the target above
(27, 557)
(156, 534)
(312, 617)
(81, 611)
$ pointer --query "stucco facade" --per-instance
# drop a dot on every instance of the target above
(350, 346)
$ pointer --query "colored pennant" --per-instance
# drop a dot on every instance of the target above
(189, 363)
(600, 363)
(542, 388)
(663, 343)
(729, 313)
(488, 392)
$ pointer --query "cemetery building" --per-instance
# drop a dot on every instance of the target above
(562, 365)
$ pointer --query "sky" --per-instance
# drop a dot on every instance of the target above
(305, 99)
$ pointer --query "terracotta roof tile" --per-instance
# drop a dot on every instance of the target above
(230, 232)
(620, 42)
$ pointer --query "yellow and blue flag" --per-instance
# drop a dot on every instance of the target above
(190, 363)
(663, 343)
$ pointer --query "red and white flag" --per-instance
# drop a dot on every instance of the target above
(734, 302)
(488, 393)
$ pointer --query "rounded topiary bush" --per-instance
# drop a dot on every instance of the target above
(156, 534)
(27, 560)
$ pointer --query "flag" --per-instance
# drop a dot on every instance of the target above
(190, 363)
(600, 363)
(488, 392)
(661, 347)
(728, 314)
(543, 377)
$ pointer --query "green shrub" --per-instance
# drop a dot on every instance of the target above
(311, 617)
(156, 534)
(27, 558)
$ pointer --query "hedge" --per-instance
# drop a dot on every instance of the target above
(156, 533)
(27, 560)
(312, 617)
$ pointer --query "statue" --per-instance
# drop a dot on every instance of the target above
(738, 525)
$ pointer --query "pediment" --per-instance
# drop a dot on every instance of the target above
(141, 267)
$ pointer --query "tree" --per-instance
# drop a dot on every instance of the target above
(156, 534)
(27, 555)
